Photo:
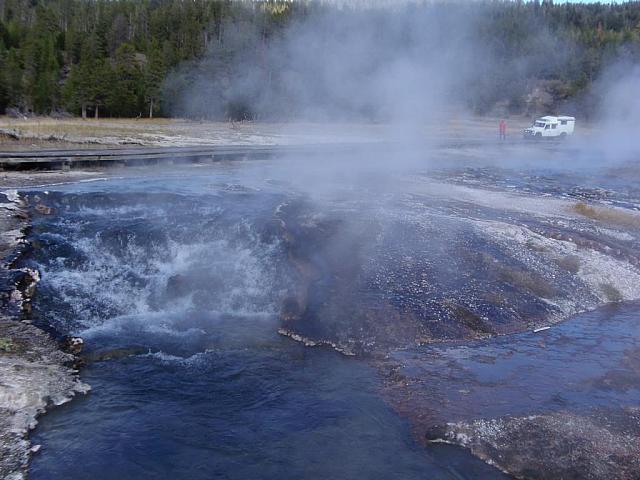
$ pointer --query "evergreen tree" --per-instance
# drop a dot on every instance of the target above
(12, 79)
(124, 95)
(45, 95)
(3, 73)
(113, 57)
(154, 73)
(89, 81)
(79, 88)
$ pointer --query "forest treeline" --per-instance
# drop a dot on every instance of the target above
(137, 57)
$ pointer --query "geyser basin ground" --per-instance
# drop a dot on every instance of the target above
(179, 281)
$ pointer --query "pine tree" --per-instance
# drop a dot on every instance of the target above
(79, 88)
(45, 96)
(89, 81)
(113, 56)
(124, 95)
(3, 75)
(154, 73)
(13, 76)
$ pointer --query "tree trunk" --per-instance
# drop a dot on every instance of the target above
(96, 112)
(151, 108)
(84, 111)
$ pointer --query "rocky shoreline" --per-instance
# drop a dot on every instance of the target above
(377, 301)
(604, 443)
(36, 373)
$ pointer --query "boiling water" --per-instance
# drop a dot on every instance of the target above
(176, 281)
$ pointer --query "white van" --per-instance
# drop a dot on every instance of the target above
(551, 127)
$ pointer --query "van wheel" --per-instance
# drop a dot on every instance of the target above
(563, 135)
(538, 136)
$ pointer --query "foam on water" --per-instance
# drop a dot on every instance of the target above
(122, 279)
(187, 361)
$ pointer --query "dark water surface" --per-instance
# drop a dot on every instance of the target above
(261, 412)
(175, 285)
(591, 360)
(176, 282)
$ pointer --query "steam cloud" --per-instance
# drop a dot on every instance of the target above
(404, 67)
(401, 66)
(617, 126)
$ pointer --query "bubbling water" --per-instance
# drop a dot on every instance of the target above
(178, 269)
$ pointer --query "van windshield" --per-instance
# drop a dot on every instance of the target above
(538, 124)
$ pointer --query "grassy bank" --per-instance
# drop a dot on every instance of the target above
(48, 132)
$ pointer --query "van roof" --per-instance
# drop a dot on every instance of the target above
(553, 119)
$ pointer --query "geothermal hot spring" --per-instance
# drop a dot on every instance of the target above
(277, 319)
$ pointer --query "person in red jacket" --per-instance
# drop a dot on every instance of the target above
(503, 129)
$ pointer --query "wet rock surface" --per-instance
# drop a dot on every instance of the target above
(34, 373)
(561, 403)
(35, 376)
(596, 445)
(394, 276)
(428, 266)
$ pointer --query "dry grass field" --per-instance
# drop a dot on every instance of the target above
(48, 132)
